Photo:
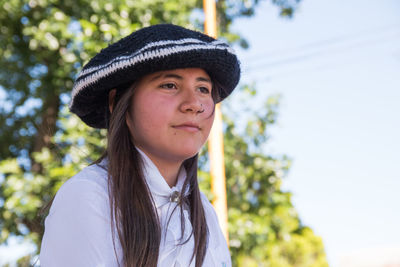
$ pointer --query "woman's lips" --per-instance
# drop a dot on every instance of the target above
(188, 127)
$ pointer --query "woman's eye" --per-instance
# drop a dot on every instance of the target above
(168, 86)
(204, 90)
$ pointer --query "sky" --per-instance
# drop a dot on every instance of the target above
(336, 65)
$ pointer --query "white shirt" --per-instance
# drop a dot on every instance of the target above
(78, 228)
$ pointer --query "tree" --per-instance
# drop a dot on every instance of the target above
(42, 47)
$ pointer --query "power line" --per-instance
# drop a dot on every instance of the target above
(305, 56)
(321, 43)
(323, 66)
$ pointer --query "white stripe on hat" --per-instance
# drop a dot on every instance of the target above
(148, 46)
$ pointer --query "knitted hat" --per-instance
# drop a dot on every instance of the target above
(148, 50)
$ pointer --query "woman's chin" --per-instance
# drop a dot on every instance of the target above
(186, 153)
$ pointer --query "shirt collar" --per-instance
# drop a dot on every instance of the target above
(158, 187)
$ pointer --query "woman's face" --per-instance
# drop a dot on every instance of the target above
(172, 113)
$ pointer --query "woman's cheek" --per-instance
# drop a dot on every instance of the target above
(209, 118)
(209, 108)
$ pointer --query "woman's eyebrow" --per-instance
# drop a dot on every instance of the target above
(176, 76)
(203, 79)
(168, 75)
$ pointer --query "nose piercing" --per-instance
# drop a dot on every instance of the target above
(202, 109)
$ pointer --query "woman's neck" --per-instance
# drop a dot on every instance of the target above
(168, 169)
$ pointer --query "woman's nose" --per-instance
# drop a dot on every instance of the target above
(191, 103)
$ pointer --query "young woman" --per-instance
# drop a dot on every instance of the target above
(139, 205)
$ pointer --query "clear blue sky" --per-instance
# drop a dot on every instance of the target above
(337, 66)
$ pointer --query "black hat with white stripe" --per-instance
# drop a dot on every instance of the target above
(148, 50)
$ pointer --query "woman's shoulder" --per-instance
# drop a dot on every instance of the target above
(78, 226)
(95, 174)
(218, 253)
(90, 185)
(209, 210)
(204, 199)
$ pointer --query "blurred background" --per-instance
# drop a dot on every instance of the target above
(336, 65)
(311, 134)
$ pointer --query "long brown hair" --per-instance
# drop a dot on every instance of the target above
(133, 212)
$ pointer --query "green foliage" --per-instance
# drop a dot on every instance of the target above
(25, 193)
(43, 43)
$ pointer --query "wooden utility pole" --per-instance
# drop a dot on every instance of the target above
(216, 141)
